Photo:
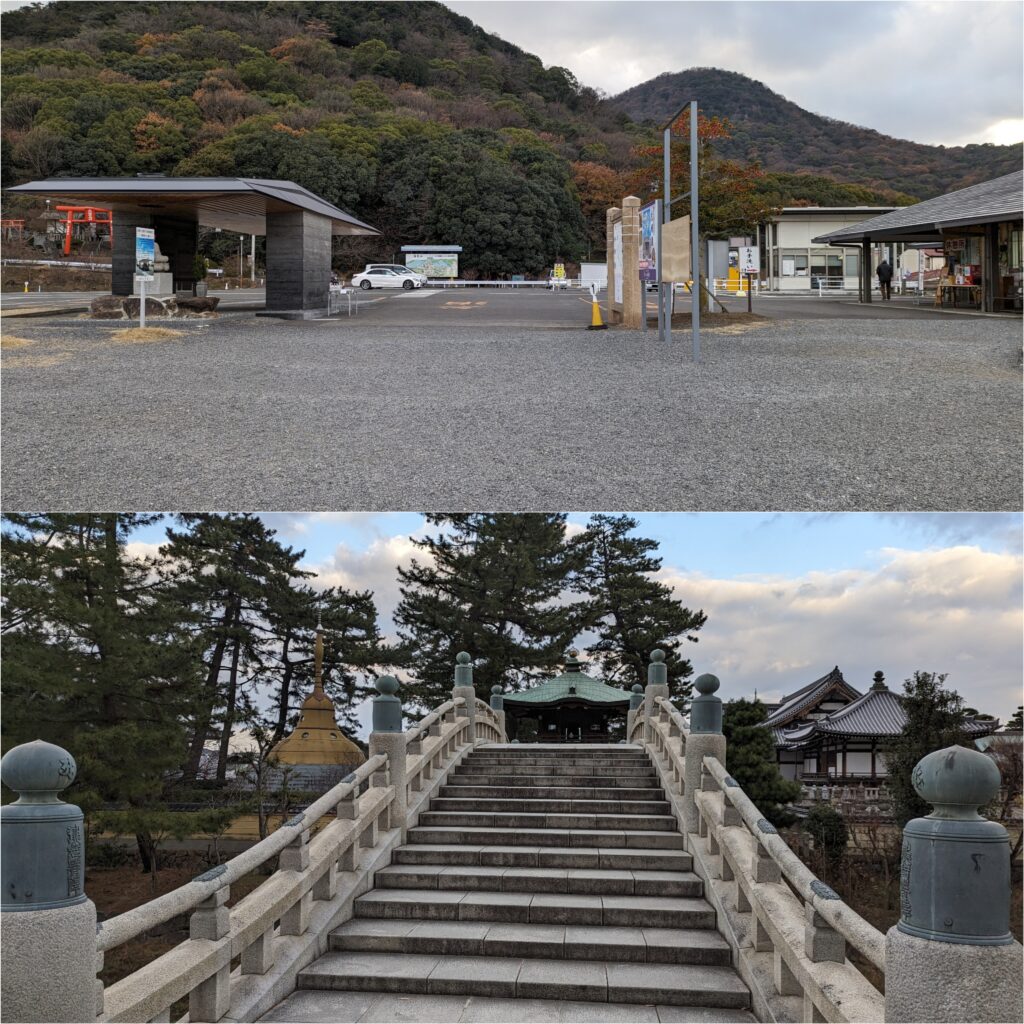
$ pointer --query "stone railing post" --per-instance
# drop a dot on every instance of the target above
(498, 707)
(657, 686)
(633, 294)
(49, 925)
(705, 740)
(464, 688)
(388, 738)
(951, 957)
(636, 700)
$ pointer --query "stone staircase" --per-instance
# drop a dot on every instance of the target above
(544, 883)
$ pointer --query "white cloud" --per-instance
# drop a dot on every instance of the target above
(954, 609)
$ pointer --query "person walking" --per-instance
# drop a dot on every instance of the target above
(884, 273)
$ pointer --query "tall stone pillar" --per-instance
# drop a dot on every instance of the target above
(498, 707)
(49, 925)
(632, 289)
(388, 738)
(951, 957)
(636, 701)
(657, 686)
(122, 276)
(464, 688)
(612, 315)
(298, 264)
(705, 740)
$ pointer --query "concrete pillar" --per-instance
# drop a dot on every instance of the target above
(705, 740)
(612, 316)
(48, 956)
(632, 293)
(951, 957)
(122, 276)
(388, 738)
(464, 688)
(298, 264)
(178, 238)
(657, 686)
(865, 272)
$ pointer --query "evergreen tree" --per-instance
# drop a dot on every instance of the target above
(750, 758)
(634, 613)
(230, 570)
(491, 585)
(1016, 723)
(98, 658)
(827, 827)
(935, 719)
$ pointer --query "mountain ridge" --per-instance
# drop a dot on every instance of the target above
(784, 137)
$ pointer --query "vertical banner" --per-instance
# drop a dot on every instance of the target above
(145, 253)
(648, 243)
(617, 249)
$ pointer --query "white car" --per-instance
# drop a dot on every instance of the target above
(384, 277)
(398, 269)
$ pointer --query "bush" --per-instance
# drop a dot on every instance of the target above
(827, 828)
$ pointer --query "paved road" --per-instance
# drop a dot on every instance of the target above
(42, 303)
(248, 413)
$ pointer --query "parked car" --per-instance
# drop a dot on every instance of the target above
(385, 277)
(398, 269)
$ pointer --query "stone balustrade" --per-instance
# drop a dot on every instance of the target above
(790, 932)
(282, 925)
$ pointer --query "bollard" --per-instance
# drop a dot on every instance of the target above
(49, 924)
(387, 738)
(657, 686)
(705, 740)
(951, 957)
(464, 688)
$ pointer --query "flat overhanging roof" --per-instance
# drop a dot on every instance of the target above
(988, 203)
(233, 204)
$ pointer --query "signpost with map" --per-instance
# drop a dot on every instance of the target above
(145, 257)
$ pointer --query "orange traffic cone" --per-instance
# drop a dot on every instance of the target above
(596, 323)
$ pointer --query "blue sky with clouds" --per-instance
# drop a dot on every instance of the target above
(787, 595)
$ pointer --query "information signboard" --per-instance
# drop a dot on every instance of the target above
(648, 242)
(145, 253)
(750, 260)
(434, 264)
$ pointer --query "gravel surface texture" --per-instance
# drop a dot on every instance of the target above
(247, 413)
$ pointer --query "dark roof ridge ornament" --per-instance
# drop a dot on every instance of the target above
(878, 683)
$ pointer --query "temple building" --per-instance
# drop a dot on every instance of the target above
(828, 732)
(570, 708)
(317, 752)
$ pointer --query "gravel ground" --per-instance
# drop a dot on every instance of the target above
(247, 413)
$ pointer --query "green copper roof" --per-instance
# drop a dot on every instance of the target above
(571, 684)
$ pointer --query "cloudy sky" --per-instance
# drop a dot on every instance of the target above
(945, 73)
(787, 596)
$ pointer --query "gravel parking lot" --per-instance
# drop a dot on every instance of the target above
(247, 413)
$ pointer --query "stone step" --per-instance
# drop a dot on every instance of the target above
(614, 858)
(543, 781)
(484, 836)
(306, 1005)
(619, 762)
(469, 791)
(498, 878)
(592, 980)
(557, 770)
(536, 908)
(504, 819)
(546, 806)
(534, 941)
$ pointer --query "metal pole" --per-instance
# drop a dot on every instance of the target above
(694, 233)
(661, 304)
(252, 268)
(666, 216)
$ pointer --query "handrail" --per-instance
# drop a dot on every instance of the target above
(861, 933)
(126, 926)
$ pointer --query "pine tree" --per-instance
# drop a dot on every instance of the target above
(492, 584)
(98, 658)
(935, 719)
(1016, 723)
(634, 613)
(230, 570)
(750, 759)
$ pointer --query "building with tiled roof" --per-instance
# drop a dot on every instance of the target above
(848, 744)
(571, 707)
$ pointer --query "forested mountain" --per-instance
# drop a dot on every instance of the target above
(786, 138)
(405, 114)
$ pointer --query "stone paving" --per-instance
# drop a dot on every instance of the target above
(540, 885)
